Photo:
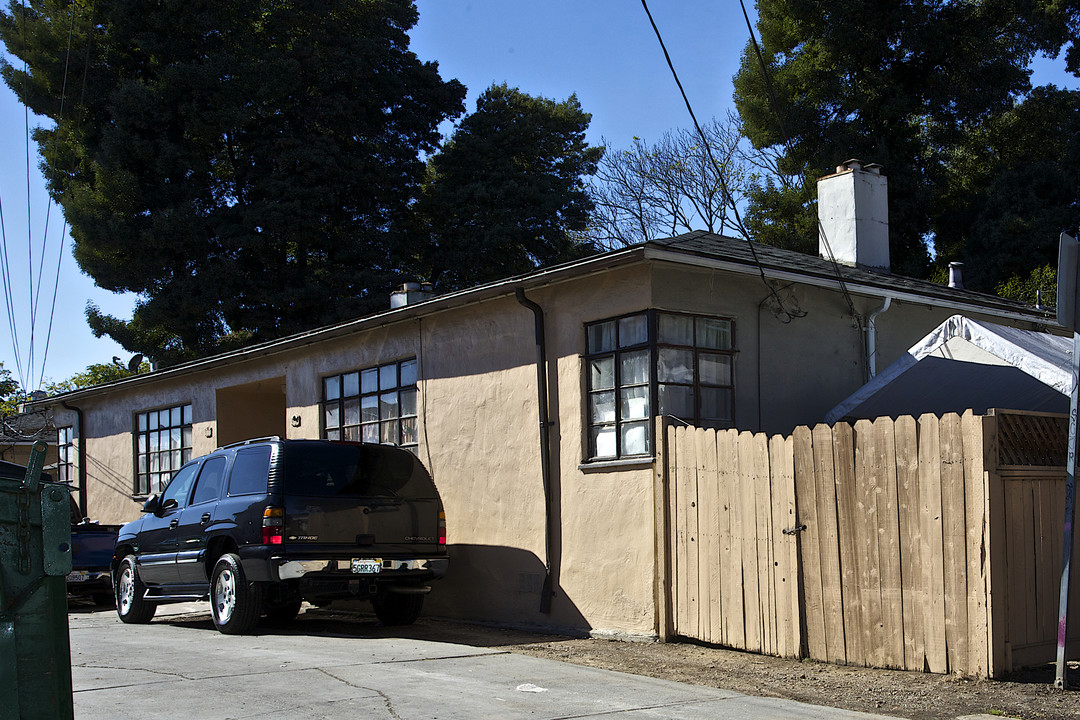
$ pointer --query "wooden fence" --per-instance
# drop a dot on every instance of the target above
(928, 544)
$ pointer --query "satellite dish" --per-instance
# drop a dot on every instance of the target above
(134, 363)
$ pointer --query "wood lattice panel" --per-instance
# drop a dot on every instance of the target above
(1032, 440)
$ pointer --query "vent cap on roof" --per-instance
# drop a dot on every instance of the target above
(956, 275)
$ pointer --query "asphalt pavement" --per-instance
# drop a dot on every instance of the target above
(180, 667)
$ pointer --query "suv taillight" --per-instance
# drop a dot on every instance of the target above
(273, 525)
(442, 528)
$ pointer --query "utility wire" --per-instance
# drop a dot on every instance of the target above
(29, 219)
(26, 374)
(787, 144)
(769, 93)
(791, 315)
(9, 301)
(56, 140)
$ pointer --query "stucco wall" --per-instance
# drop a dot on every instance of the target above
(479, 435)
(479, 425)
(799, 352)
(483, 439)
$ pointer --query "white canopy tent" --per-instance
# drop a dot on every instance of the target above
(965, 364)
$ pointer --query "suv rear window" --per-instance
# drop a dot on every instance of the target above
(250, 469)
(324, 469)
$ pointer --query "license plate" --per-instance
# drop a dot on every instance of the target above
(78, 576)
(366, 567)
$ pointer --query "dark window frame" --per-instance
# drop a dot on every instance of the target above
(698, 419)
(617, 353)
(653, 346)
(385, 390)
(65, 448)
(150, 476)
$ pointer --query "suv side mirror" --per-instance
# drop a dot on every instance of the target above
(152, 504)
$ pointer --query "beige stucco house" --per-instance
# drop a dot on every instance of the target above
(543, 451)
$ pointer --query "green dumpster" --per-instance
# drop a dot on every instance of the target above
(35, 558)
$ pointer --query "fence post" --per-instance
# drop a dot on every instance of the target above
(1070, 515)
(661, 513)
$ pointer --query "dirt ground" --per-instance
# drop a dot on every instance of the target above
(1029, 694)
(888, 692)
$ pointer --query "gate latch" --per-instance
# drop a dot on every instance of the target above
(795, 530)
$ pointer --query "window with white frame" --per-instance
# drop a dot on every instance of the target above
(653, 362)
(65, 445)
(375, 404)
(162, 445)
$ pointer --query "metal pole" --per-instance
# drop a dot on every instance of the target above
(1070, 513)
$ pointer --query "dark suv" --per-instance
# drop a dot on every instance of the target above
(259, 526)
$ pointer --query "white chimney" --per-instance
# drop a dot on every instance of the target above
(411, 293)
(853, 216)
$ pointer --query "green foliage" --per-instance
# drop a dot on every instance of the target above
(96, 374)
(1040, 286)
(916, 87)
(1013, 190)
(783, 217)
(506, 194)
(11, 393)
(245, 166)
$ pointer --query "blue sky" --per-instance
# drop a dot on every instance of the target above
(602, 50)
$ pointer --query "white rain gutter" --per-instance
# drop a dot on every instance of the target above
(871, 337)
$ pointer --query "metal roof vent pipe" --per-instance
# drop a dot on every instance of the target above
(956, 275)
(411, 293)
(853, 216)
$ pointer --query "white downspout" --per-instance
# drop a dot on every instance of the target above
(871, 337)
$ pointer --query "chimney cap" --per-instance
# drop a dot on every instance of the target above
(852, 164)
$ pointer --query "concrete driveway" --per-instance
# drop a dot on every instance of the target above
(179, 666)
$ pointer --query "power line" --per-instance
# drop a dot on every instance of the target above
(791, 315)
(56, 139)
(774, 106)
(36, 279)
(5, 272)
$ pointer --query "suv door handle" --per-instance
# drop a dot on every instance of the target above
(174, 523)
(205, 518)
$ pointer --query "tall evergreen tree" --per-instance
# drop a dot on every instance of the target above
(909, 84)
(245, 166)
(506, 194)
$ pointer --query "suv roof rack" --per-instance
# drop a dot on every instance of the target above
(248, 442)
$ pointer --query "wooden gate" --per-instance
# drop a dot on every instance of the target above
(867, 545)
(734, 549)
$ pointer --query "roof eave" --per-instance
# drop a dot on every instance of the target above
(506, 287)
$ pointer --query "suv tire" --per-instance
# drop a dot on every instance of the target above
(397, 608)
(129, 590)
(234, 602)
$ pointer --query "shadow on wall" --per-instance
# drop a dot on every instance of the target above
(119, 487)
(502, 585)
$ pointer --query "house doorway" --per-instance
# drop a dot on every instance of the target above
(251, 410)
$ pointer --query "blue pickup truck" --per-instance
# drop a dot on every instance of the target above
(92, 547)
